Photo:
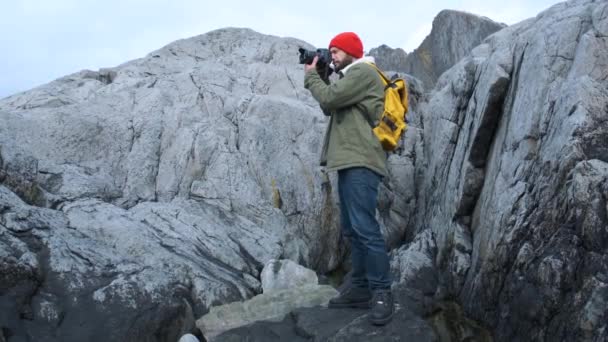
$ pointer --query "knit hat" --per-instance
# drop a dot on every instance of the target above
(348, 42)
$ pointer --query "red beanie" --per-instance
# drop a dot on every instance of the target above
(348, 42)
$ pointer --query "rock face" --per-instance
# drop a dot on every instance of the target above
(93, 270)
(136, 197)
(151, 191)
(511, 186)
(269, 306)
(414, 286)
(287, 286)
(516, 176)
(452, 37)
(333, 325)
(389, 59)
(285, 274)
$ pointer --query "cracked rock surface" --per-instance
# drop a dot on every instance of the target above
(515, 186)
(135, 198)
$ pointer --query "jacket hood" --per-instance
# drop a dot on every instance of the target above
(364, 59)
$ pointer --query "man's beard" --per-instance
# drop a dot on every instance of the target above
(348, 60)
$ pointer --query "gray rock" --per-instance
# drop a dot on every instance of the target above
(286, 274)
(453, 36)
(514, 177)
(93, 269)
(322, 324)
(206, 118)
(388, 58)
(405, 326)
(413, 265)
(183, 173)
(414, 288)
(136, 198)
(269, 306)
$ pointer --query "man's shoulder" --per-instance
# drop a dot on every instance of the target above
(363, 69)
(362, 66)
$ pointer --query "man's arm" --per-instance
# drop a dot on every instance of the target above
(344, 92)
(314, 68)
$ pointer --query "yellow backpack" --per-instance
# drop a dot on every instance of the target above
(392, 123)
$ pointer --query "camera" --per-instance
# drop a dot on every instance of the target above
(323, 68)
(306, 56)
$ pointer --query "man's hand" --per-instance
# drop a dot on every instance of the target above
(312, 66)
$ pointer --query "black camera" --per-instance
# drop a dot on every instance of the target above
(306, 56)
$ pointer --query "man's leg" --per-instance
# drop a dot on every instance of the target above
(361, 194)
(358, 251)
(357, 294)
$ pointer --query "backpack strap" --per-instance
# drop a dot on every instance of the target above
(387, 83)
(385, 79)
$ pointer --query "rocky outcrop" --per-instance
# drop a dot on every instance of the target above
(415, 283)
(266, 307)
(452, 37)
(162, 186)
(287, 287)
(285, 274)
(333, 325)
(389, 59)
(270, 306)
(511, 190)
(516, 169)
(95, 271)
(134, 199)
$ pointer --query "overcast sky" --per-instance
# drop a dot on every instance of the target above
(42, 40)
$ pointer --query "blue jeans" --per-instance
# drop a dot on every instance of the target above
(358, 191)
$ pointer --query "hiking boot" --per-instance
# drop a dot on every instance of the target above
(353, 297)
(382, 307)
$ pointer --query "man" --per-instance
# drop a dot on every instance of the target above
(355, 102)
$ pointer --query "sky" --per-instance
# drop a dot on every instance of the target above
(42, 40)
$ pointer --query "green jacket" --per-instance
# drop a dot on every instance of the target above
(354, 102)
